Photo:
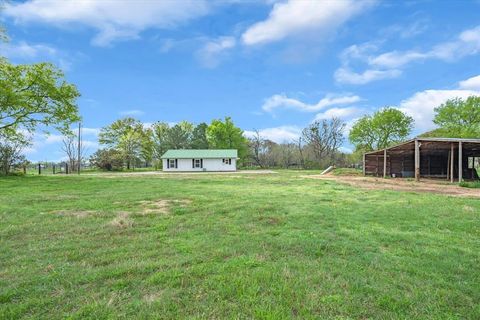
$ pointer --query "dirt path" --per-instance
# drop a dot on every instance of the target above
(425, 185)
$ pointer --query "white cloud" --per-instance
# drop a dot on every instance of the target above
(295, 17)
(282, 101)
(134, 112)
(388, 64)
(338, 113)
(24, 50)
(278, 134)
(213, 51)
(88, 144)
(396, 59)
(89, 131)
(114, 20)
(345, 75)
(421, 105)
(472, 83)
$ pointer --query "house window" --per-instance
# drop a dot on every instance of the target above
(171, 163)
(197, 163)
(227, 161)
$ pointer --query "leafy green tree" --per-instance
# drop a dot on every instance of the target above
(458, 118)
(180, 136)
(199, 137)
(146, 150)
(159, 139)
(384, 128)
(124, 135)
(225, 135)
(11, 153)
(107, 159)
(35, 95)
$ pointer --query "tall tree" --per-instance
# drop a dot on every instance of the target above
(257, 146)
(160, 139)
(107, 159)
(124, 135)
(35, 95)
(325, 137)
(458, 118)
(11, 152)
(199, 137)
(225, 135)
(180, 136)
(384, 128)
(69, 147)
(146, 150)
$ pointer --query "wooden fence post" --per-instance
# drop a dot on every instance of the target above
(39, 168)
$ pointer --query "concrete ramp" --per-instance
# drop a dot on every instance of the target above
(327, 170)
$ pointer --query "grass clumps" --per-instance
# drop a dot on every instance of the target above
(347, 172)
(470, 184)
(122, 221)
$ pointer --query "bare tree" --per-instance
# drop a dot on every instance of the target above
(298, 143)
(74, 150)
(69, 147)
(288, 154)
(325, 137)
(257, 144)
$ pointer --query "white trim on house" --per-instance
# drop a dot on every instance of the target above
(199, 165)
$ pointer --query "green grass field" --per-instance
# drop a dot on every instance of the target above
(233, 246)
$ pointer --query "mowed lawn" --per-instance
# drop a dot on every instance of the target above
(265, 246)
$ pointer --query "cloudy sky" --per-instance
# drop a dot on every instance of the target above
(274, 66)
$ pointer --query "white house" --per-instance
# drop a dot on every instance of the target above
(200, 160)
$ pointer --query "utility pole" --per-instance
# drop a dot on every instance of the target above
(79, 146)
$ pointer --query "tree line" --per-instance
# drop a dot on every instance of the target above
(128, 143)
(36, 97)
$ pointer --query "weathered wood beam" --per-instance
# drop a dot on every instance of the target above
(385, 163)
(460, 163)
(451, 162)
(417, 160)
(364, 163)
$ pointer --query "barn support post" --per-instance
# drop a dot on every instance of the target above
(460, 158)
(417, 161)
(451, 163)
(364, 162)
(385, 163)
(448, 165)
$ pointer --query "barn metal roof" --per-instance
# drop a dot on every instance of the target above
(200, 154)
(426, 139)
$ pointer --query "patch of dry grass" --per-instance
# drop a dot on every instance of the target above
(122, 221)
(162, 206)
(75, 213)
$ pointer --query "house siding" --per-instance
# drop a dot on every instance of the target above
(208, 165)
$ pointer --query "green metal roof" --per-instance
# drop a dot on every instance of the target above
(200, 154)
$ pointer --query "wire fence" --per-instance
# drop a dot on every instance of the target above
(48, 168)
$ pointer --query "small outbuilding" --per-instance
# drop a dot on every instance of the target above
(200, 160)
(443, 158)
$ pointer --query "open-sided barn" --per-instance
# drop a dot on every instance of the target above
(448, 158)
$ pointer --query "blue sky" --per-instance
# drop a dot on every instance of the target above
(274, 66)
